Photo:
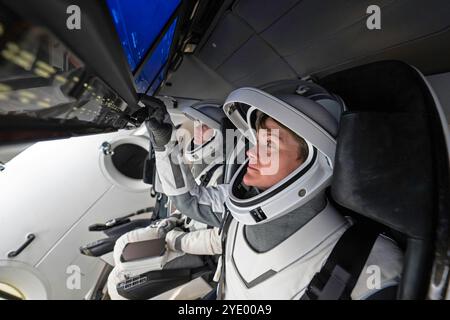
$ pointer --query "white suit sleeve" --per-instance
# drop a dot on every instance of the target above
(204, 204)
(200, 242)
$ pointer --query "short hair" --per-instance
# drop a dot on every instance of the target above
(303, 146)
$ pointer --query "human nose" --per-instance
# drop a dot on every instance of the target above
(252, 155)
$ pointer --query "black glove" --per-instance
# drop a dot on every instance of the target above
(158, 123)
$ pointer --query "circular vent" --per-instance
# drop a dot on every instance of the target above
(129, 160)
(124, 165)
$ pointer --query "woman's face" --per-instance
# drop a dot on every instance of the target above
(275, 156)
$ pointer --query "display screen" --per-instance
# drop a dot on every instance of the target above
(138, 24)
(154, 66)
(46, 91)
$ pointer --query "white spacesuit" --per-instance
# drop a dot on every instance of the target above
(186, 240)
(278, 238)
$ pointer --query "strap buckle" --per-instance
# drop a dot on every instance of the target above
(314, 288)
(333, 289)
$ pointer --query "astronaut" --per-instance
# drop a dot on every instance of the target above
(278, 227)
(186, 240)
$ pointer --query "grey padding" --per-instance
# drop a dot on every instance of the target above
(255, 63)
(195, 80)
(178, 241)
(260, 279)
(216, 50)
(317, 21)
(177, 174)
(312, 37)
(319, 31)
(267, 13)
(266, 236)
(185, 261)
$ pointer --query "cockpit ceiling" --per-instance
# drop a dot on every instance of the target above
(258, 41)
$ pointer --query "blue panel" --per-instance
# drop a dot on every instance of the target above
(156, 83)
(156, 62)
(138, 24)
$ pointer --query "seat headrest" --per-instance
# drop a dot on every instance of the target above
(383, 170)
(384, 157)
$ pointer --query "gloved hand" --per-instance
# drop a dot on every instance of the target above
(164, 226)
(158, 123)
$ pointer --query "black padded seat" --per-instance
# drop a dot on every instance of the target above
(391, 162)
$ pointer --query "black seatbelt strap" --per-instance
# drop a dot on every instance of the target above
(338, 277)
(206, 178)
(223, 231)
(119, 221)
(161, 210)
(149, 172)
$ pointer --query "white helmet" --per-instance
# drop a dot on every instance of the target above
(211, 114)
(309, 111)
